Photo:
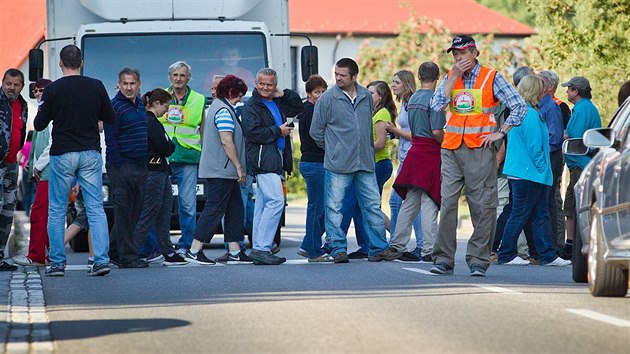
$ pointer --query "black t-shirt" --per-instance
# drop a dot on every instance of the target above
(74, 104)
(566, 114)
(310, 151)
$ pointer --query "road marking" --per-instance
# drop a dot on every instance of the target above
(601, 317)
(421, 271)
(500, 290)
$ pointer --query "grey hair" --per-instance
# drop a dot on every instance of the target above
(268, 72)
(520, 73)
(178, 65)
(554, 80)
(129, 71)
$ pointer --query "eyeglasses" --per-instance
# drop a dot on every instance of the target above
(38, 90)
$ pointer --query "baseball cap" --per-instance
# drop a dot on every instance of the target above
(462, 42)
(578, 82)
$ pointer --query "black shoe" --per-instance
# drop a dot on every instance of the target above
(6, 267)
(408, 257)
(357, 255)
(477, 271)
(153, 257)
(266, 258)
(199, 258)
(174, 260)
(99, 269)
(342, 257)
(241, 257)
(55, 270)
(137, 263)
(441, 268)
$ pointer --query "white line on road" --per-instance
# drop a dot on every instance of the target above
(601, 317)
(497, 289)
(421, 271)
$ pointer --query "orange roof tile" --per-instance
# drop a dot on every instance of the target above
(381, 17)
(22, 26)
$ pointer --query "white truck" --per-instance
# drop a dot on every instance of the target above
(216, 37)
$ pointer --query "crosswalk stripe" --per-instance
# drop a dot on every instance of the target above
(421, 271)
(601, 317)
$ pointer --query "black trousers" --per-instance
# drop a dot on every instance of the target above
(128, 185)
(223, 198)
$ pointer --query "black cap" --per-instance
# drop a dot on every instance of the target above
(462, 42)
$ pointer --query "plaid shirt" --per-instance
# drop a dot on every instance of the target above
(503, 91)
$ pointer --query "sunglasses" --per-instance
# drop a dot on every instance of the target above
(38, 90)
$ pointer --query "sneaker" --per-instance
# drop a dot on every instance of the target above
(342, 257)
(325, 258)
(90, 262)
(408, 257)
(417, 252)
(174, 260)
(517, 261)
(302, 252)
(558, 262)
(426, 259)
(266, 258)
(241, 257)
(275, 248)
(136, 263)
(154, 258)
(389, 254)
(477, 271)
(55, 270)
(441, 268)
(25, 261)
(357, 255)
(199, 258)
(99, 270)
(6, 267)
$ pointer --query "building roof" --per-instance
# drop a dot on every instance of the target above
(381, 17)
(23, 25)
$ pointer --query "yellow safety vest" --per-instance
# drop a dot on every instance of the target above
(182, 123)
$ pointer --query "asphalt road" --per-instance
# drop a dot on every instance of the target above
(390, 307)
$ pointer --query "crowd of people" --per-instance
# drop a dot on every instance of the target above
(468, 130)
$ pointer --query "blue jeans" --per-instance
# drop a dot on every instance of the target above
(369, 202)
(87, 167)
(529, 200)
(267, 210)
(315, 176)
(395, 202)
(186, 176)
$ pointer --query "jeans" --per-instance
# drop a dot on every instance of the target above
(28, 188)
(267, 210)
(156, 213)
(530, 200)
(395, 203)
(128, 184)
(500, 229)
(369, 202)
(186, 176)
(315, 176)
(383, 171)
(87, 167)
(223, 198)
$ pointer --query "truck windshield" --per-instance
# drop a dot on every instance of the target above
(209, 54)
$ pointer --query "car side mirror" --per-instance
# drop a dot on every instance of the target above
(574, 146)
(35, 64)
(309, 61)
(599, 138)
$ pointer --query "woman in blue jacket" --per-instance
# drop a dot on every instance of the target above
(527, 165)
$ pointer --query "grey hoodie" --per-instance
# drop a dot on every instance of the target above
(344, 131)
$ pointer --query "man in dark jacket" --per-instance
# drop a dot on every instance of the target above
(13, 114)
(269, 155)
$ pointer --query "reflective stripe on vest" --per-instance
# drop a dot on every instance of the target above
(182, 122)
(558, 101)
(472, 112)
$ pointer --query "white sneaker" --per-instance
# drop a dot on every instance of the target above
(517, 261)
(559, 262)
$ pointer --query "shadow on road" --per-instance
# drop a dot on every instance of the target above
(81, 329)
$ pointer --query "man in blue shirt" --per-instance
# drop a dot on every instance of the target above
(585, 116)
(552, 115)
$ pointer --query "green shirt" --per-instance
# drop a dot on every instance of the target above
(381, 116)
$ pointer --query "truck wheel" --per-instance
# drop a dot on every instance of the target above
(603, 279)
(578, 260)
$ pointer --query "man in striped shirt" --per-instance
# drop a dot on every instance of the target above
(126, 156)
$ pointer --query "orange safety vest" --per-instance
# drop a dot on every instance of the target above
(558, 101)
(472, 112)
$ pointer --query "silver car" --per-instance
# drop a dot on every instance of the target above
(602, 194)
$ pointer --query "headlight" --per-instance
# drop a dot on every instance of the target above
(105, 193)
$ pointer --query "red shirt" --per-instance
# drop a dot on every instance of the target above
(16, 132)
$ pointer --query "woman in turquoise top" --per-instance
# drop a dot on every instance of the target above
(528, 168)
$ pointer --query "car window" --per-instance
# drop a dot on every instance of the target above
(624, 124)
